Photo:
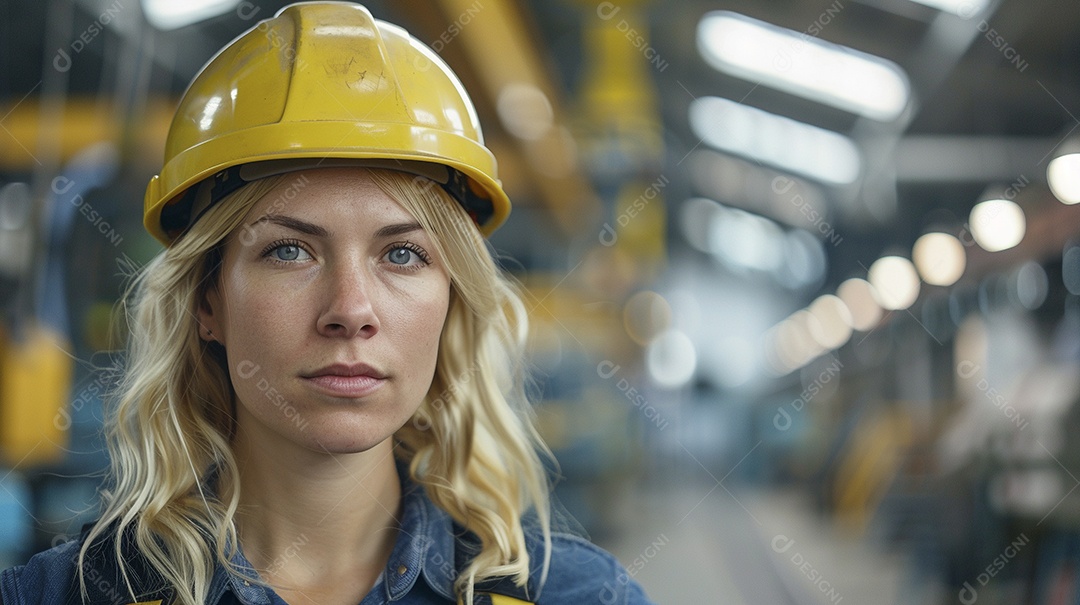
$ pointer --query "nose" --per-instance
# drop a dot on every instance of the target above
(348, 310)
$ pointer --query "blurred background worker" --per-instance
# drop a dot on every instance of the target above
(803, 276)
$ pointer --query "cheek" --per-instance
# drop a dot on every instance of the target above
(260, 322)
(432, 319)
(423, 322)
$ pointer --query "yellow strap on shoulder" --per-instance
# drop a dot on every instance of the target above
(498, 599)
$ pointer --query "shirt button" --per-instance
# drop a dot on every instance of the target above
(401, 570)
(246, 583)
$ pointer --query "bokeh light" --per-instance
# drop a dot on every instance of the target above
(997, 225)
(940, 258)
(896, 284)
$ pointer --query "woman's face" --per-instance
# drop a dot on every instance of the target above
(329, 304)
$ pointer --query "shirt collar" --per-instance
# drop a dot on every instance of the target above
(424, 547)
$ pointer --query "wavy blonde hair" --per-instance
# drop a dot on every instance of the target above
(471, 444)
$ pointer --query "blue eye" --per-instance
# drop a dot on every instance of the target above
(407, 255)
(400, 256)
(289, 252)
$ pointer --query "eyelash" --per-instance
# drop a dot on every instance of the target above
(266, 253)
(407, 245)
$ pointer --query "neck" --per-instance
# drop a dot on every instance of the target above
(307, 518)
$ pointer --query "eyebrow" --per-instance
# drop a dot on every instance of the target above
(293, 223)
(315, 230)
(398, 229)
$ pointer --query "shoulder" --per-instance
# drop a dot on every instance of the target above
(51, 577)
(583, 573)
(48, 577)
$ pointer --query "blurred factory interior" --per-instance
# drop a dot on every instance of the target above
(804, 275)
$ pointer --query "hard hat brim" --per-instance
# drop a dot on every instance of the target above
(306, 141)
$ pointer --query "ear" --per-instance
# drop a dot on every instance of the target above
(211, 316)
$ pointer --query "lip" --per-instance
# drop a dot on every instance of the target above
(346, 380)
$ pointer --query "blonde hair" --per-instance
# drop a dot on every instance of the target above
(471, 445)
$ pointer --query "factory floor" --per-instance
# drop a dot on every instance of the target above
(703, 542)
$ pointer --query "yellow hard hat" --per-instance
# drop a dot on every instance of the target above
(321, 84)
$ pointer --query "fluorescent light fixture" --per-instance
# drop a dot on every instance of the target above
(746, 241)
(800, 64)
(170, 14)
(962, 8)
(784, 143)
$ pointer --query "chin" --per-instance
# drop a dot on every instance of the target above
(349, 437)
(346, 444)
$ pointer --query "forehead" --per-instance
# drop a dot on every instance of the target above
(335, 193)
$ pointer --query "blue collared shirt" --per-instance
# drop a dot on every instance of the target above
(421, 571)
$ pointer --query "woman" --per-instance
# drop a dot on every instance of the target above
(323, 401)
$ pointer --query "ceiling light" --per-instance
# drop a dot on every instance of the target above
(804, 262)
(803, 65)
(789, 145)
(940, 258)
(671, 359)
(746, 241)
(645, 315)
(169, 14)
(1063, 174)
(997, 224)
(791, 344)
(896, 284)
(961, 8)
(833, 326)
(858, 296)
(804, 325)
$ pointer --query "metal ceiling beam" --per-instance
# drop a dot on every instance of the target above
(501, 52)
(964, 159)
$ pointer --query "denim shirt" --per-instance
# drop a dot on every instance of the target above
(421, 571)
